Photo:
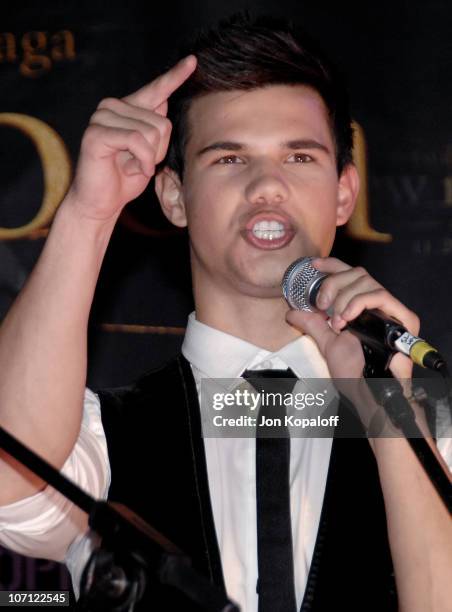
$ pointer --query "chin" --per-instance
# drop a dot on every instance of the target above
(269, 287)
(255, 291)
(260, 278)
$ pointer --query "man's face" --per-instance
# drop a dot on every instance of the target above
(260, 187)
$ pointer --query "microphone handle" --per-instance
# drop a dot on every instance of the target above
(380, 332)
(371, 327)
(376, 330)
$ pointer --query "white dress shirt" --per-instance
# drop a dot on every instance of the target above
(231, 462)
(46, 525)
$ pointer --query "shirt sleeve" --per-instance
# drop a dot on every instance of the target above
(46, 524)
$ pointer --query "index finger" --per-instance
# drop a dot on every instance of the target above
(330, 265)
(159, 90)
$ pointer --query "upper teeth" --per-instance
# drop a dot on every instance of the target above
(268, 230)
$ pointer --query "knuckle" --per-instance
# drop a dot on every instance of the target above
(341, 301)
(356, 299)
(356, 303)
(361, 271)
(91, 134)
(109, 103)
(136, 137)
(381, 292)
(98, 116)
(152, 133)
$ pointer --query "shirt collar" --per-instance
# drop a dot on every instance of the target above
(217, 354)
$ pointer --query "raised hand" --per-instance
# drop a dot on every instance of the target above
(125, 140)
(43, 367)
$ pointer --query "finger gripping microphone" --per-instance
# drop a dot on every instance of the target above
(301, 284)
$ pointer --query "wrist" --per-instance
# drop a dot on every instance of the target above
(77, 212)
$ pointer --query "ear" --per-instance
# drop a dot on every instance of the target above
(348, 189)
(168, 188)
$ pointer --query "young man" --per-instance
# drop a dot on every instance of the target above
(260, 171)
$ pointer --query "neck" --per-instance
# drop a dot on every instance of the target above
(260, 321)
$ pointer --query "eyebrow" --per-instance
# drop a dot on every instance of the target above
(229, 145)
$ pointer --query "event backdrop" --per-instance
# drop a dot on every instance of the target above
(58, 59)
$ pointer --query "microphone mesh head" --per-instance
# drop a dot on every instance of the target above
(298, 282)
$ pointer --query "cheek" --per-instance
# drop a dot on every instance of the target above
(321, 221)
(326, 206)
(208, 206)
(326, 222)
(206, 225)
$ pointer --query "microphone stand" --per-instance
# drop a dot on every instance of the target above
(116, 575)
(388, 393)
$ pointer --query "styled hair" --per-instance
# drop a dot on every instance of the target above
(244, 54)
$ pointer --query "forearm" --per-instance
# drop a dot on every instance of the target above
(419, 528)
(43, 345)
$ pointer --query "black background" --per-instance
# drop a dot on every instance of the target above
(397, 59)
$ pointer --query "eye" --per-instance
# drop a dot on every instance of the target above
(300, 158)
(230, 159)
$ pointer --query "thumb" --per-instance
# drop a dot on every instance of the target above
(314, 324)
(341, 350)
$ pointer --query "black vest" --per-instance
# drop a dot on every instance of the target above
(158, 466)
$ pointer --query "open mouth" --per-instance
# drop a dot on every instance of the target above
(268, 232)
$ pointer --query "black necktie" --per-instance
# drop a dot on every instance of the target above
(275, 586)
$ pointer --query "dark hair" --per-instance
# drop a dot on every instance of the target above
(242, 53)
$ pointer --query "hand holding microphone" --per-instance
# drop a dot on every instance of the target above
(302, 283)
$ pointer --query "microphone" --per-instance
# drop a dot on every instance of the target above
(301, 284)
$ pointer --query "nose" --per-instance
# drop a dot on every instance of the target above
(266, 186)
